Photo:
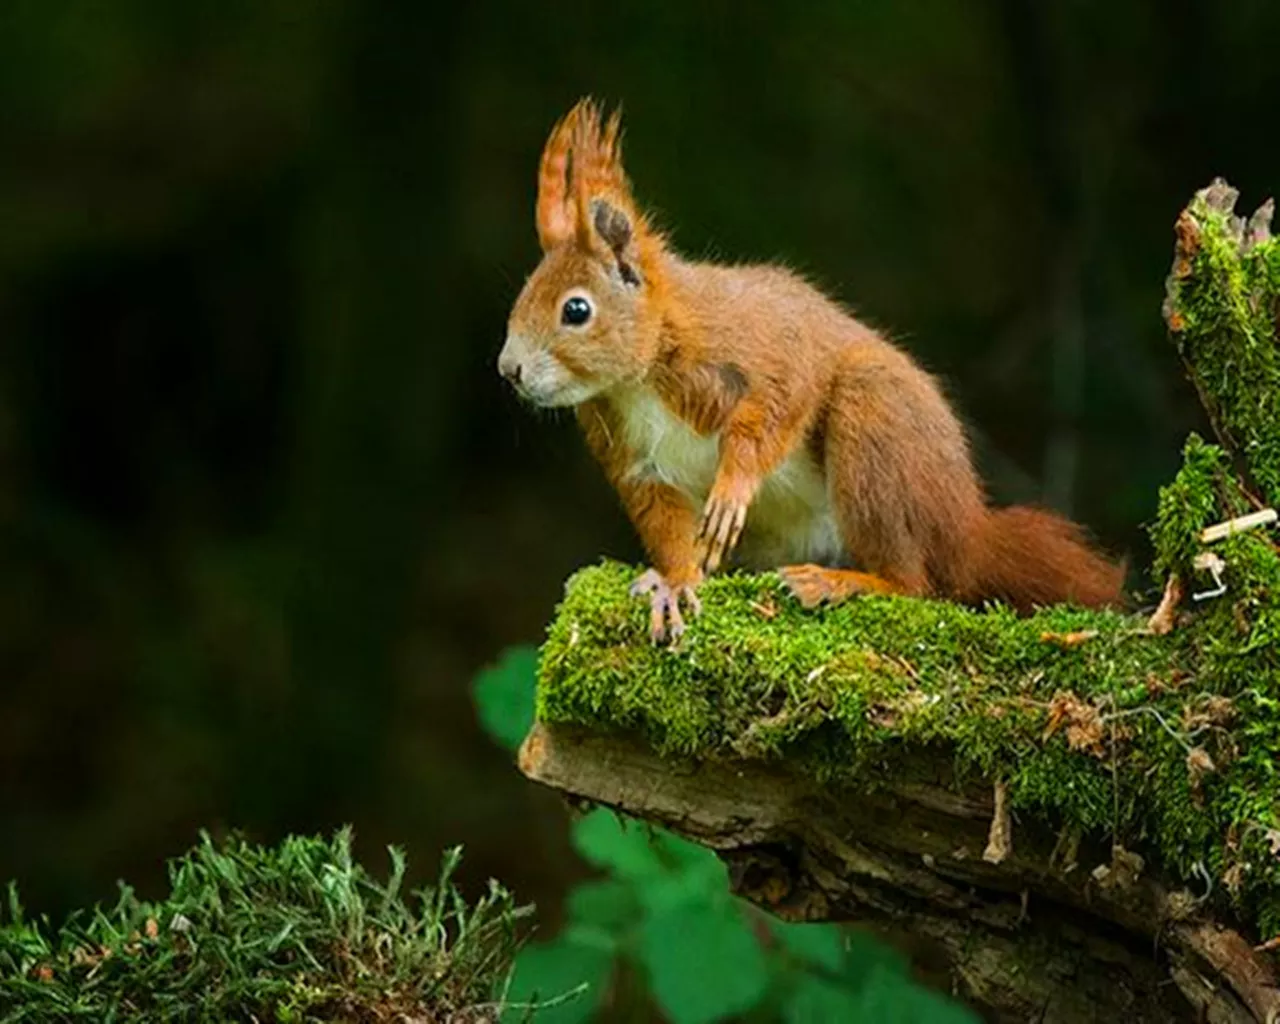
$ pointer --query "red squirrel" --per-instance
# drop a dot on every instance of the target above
(738, 409)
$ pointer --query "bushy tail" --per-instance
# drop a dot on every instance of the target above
(1027, 557)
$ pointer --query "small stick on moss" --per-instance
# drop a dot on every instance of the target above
(1220, 531)
(1000, 838)
(1163, 618)
(1072, 639)
(765, 609)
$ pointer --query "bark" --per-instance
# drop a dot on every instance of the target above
(1018, 921)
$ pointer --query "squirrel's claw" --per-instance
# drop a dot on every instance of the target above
(722, 523)
(664, 604)
(809, 584)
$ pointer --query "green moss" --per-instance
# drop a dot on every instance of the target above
(1203, 492)
(1221, 304)
(850, 694)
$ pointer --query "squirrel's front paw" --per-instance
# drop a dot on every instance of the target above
(665, 619)
(723, 518)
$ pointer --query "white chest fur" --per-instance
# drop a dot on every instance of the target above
(790, 519)
(665, 447)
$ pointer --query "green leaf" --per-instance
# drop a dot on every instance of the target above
(609, 905)
(820, 945)
(504, 696)
(702, 884)
(818, 1001)
(546, 972)
(893, 998)
(602, 841)
(683, 853)
(704, 964)
(865, 956)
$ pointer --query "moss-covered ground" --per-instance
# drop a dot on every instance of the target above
(295, 932)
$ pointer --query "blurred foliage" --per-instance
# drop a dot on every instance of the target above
(663, 914)
(265, 506)
(504, 696)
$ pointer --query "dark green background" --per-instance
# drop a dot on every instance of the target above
(266, 507)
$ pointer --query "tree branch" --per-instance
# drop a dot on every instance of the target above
(1041, 935)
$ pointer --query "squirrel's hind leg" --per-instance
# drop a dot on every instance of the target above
(892, 491)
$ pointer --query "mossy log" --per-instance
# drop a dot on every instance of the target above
(1064, 817)
(845, 763)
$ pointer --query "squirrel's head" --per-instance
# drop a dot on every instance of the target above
(586, 319)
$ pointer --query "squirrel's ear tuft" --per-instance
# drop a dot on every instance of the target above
(556, 213)
(583, 190)
(608, 222)
(581, 161)
(597, 155)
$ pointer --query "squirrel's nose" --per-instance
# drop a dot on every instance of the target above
(509, 367)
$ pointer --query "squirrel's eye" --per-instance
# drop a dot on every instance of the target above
(576, 311)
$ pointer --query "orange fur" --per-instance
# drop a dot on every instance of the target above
(597, 164)
(814, 584)
(726, 402)
(553, 214)
(661, 514)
